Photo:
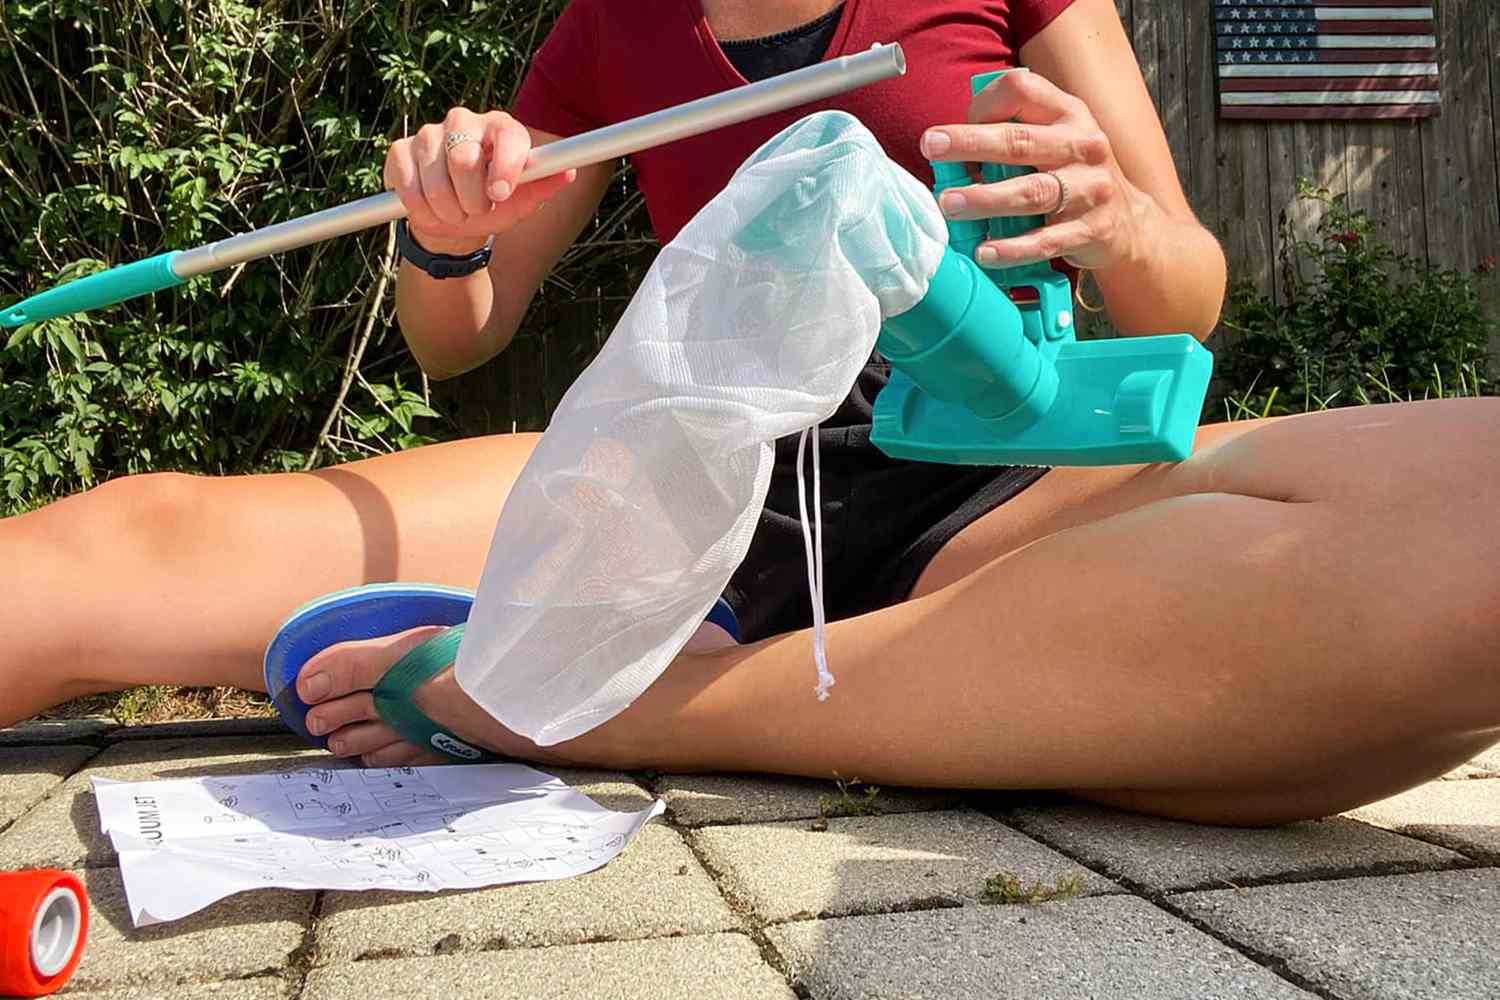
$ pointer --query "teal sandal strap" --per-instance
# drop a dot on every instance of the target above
(393, 698)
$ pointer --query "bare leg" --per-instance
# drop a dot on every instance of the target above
(1301, 618)
(169, 579)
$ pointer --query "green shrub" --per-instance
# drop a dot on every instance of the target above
(1361, 323)
(132, 126)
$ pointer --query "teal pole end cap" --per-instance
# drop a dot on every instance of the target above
(95, 291)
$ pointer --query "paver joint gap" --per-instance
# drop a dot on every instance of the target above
(1480, 857)
(752, 925)
(1312, 876)
(56, 786)
(499, 944)
(300, 962)
(1271, 963)
(1274, 964)
(1465, 862)
(998, 815)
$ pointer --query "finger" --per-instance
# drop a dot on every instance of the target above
(531, 196)
(362, 738)
(1027, 97)
(432, 170)
(466, 161)
(1044, 146)
(1031, 194)
(509, 145)
(347, 667)
(527, 200)
(403, 176)
(1046, 243)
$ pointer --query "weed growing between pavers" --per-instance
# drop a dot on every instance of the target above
(846, 804)
(1004, 887)
(165, 703)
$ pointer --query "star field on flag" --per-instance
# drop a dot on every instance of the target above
(1308, 59)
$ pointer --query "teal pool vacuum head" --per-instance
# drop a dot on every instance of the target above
(980, 379)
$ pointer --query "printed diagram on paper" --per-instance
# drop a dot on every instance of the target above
(186, 843)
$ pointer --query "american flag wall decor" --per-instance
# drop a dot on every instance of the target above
(1307, 59)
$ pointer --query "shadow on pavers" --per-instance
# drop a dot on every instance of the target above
(84, 813)
(107, 903)
(852, 865)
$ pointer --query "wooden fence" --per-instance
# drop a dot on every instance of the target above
(1429, 185)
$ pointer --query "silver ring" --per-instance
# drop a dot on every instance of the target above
(1062, 194)
(458, 138)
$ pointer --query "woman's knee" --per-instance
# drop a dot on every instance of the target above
(1387, 455)
(142, 520)
(1445, 634)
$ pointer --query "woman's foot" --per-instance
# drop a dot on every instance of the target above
(337, 684)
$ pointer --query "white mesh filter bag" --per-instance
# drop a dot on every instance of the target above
(641, 497)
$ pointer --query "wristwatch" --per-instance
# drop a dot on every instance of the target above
(440, 265)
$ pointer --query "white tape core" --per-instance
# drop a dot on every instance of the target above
(54, 936)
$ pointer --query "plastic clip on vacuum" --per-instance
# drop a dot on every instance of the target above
(44, 921)
(981, 380)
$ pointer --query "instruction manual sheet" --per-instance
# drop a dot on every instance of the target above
(186, 843)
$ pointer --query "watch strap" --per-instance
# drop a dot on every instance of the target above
(439, 265)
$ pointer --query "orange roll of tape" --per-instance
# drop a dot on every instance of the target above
(44, 921)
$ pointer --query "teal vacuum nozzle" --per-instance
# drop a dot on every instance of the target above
(979, 379)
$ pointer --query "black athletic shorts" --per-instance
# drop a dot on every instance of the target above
(883, 521)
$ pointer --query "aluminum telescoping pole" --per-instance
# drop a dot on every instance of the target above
(776, 93)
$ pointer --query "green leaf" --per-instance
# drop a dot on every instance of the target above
(70, 341)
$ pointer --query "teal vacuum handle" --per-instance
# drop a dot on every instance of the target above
(1051, 321)
(966, 342)
(142, 277)
(981, 379)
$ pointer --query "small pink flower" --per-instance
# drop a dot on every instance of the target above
(1485, 265)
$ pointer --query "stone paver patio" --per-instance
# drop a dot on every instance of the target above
(768, 888)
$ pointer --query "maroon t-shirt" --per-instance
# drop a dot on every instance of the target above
(609, 60)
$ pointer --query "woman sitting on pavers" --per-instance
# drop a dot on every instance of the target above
(1303, 617)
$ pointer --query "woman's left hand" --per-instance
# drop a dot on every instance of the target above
(1094, 215)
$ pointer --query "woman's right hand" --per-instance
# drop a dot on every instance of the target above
(458, 196)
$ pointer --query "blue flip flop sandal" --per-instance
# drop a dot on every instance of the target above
(384, 609)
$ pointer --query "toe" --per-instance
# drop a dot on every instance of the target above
(347, 667)
(400, 754)
(345, 711)
(362, 738)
